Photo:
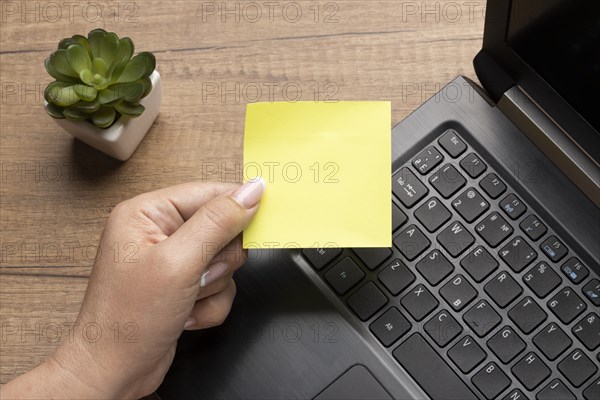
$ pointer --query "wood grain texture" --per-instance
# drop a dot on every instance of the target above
(56, 193)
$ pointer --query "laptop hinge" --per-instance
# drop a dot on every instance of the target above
(553, 141)
(492, 77)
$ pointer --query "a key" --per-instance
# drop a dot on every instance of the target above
(517, 254)
(396, 277)
(408, 188)
(319, 258)
(443, 328)
(555, 390)
(493, 186)
(482, 318)
(398, 217)
(494, 229)
(515, 394)
(447, 181)
(491, 381)
(593, 391)
(527, 315)
(452, 143)
(542, 279)
(466, 354)
(470, 204)
(577, 368)
(506, 344)
(411, 242)
(455, 239)
(373, 257)
(479, 264)
(432, 214)
(533, 227)
(366, 301)
(419, 359)
(458, 292)
(390, 326)
(513, 206)
(554, 248)
(503, 289)
(575, 270)
(592, 291)
(552, 341)
(419, 302)
(434, 267)
(473, 165)
(344, 276)
(531, 371)
(566, 305)
(588, 331)
(427, 160)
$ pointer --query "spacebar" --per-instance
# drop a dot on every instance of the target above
(428, 369)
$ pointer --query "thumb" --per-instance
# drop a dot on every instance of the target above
(214, 225)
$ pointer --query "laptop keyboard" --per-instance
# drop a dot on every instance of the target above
(477, 298)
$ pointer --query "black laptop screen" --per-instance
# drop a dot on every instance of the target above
(560, 39)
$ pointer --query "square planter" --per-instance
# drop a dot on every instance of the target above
(124, 136)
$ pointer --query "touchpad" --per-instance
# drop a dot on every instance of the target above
(355, 384)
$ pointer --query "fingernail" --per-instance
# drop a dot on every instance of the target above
(191, 321)
(249, 194)
(213, 273)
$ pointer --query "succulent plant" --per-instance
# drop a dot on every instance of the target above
(97, 79)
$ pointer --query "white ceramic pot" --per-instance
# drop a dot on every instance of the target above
(124, 136)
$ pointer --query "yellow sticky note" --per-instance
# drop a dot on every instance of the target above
(327, 168)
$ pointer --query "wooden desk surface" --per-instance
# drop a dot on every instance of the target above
(56, 193)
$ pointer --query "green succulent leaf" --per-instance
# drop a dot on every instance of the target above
(140, 66)
(147, 86)
(61, 94)
(109, 46)
(130, 91)
(85, 92)
(104, 117)
(121, 59)
(75, 114)
(78, 57)
(75, 39)
(130, 109)
(88, 107)
(57, 75)
(99, 66)
(55, 111)
(95, 37)
(59, 63)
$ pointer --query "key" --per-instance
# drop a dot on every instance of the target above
(533, 227)
(390, 327)
(366, 301)
(575, 270)
(470, 204)
(319, 258)
(588, 331)
(493, 186)
(593, 391)
(398, 217)
(479, 264)
(432, 214)
(443, 328)
(592, 291)
(434, 267)
(455, 239)
(513, 206)
(473, 165)
(503, 289)
(419, 359)
(411, 242)
(452, 143)
(506, 344)
(408, 188)
(531, 371)
(542, 279)
(556, 390)
(466, 354)
(494, 229)
(458, 293)
(552, 341)
(527, 315)
(396, 277)
(566, 305)
(447, 181)
(518, 254)
(427, 160)
(344, 276)
(482, 318)
(515, 394)
(373, 257)
(490, 381)
(554, 249)
(577, 368)
(419, 302)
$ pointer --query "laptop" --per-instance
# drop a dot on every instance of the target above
(491, 287)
